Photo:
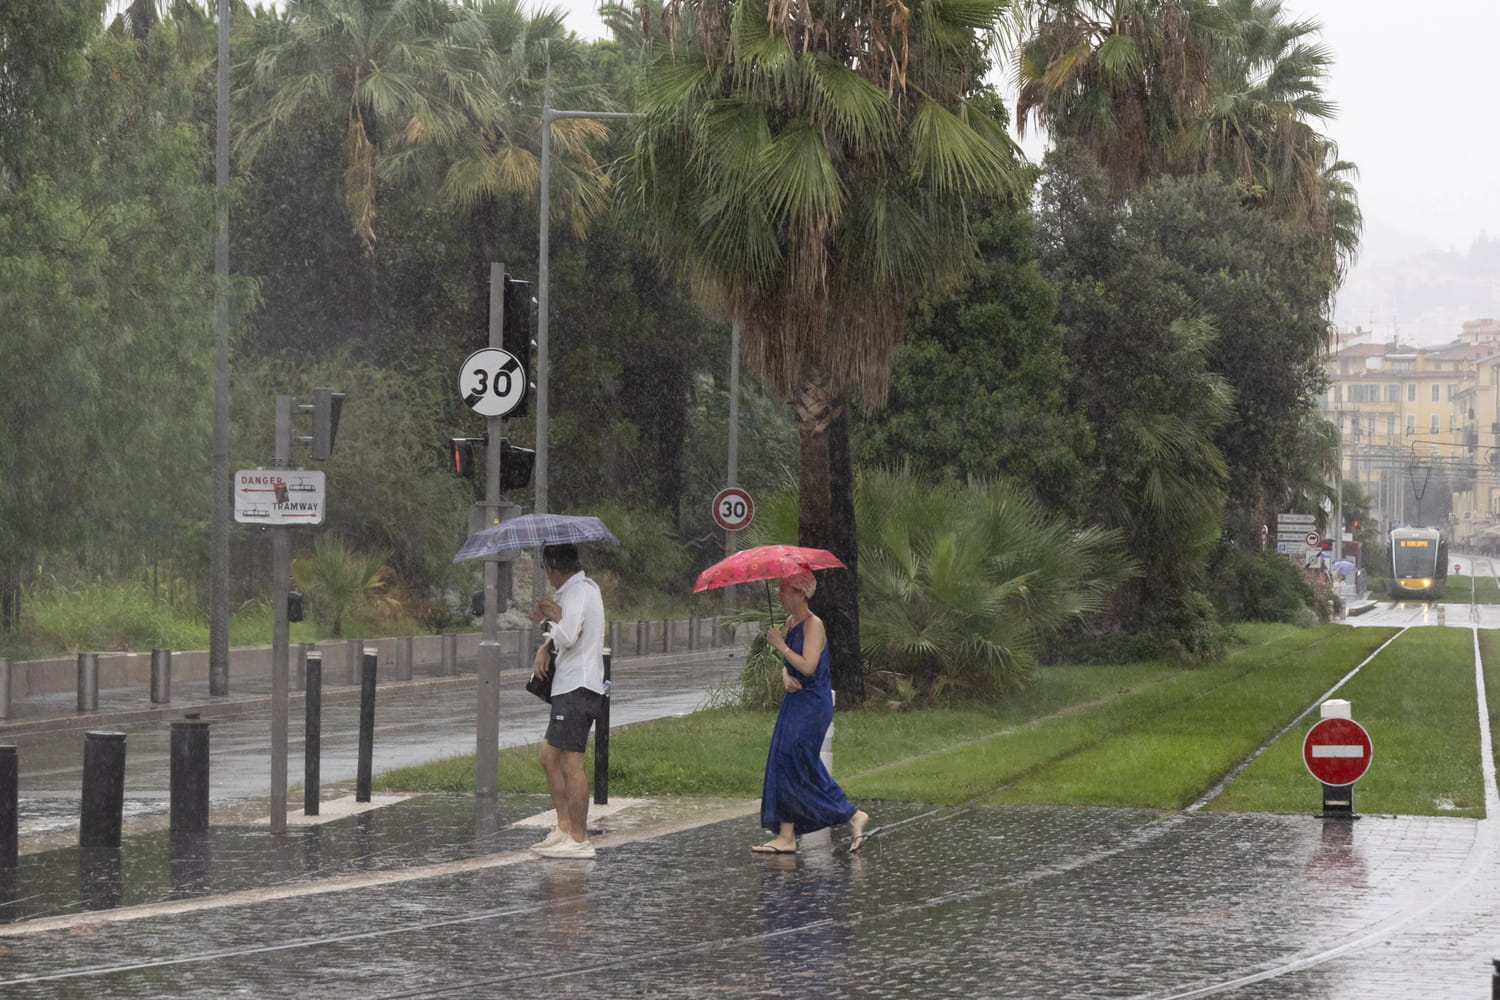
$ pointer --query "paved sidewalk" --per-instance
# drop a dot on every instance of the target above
(430, 897)
(436, 895)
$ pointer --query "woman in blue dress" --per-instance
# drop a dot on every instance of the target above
(799, 795)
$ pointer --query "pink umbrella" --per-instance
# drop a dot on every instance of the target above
(764, 562)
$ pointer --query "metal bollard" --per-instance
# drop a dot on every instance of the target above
(403, 658)
(298, 680)
(103, 806)
(354, 653)
(189, 776)
(88, 682)
(601, 740)
(615, 630)
(450, 654)
(161, 676)
(4, 688)
(666, 635)
(366, 727)
(692, 633)
(10, 799)
(312, 748)
(640, 638)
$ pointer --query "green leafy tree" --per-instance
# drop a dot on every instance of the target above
(1139, 346)
(105, 225)
(978, 388)
(804, 170)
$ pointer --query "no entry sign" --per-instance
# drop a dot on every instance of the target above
(1337, 751)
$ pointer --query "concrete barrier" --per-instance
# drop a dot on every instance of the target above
(25, 680)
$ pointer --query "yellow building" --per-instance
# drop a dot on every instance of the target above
(1418, 419)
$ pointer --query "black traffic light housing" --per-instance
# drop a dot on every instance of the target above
(462, 460)
(515, 332)
(516, 464)
(326, 407)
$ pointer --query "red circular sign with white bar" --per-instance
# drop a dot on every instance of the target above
(1337, 751)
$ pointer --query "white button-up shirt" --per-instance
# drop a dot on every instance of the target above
(578, 636)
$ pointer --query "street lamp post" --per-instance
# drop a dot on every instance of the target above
(549, 115)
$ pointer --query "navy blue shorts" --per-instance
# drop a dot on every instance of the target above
(572, 717)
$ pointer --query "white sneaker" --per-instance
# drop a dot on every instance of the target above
(569, 848)
(552, 839)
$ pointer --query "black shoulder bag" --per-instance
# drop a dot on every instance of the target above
(542, 686)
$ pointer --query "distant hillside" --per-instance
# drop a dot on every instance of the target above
(1425, 298)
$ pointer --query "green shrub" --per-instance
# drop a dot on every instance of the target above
(1259, 587)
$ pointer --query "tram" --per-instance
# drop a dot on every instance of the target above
(1419, 564)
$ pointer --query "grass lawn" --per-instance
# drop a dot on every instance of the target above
(1476, 589)
(1154, 735)
(1417, 701)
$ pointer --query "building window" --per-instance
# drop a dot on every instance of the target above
(1435, 425)
(1411, 392)
(1393, 394)
(1437, 393)
(1411, 423)
(1390, 427)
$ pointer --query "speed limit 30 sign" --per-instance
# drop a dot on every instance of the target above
(733, 509)
(492, 382)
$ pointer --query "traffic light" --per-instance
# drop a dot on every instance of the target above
(516, 464)
(515, 334)
(461, 456)
(326, 407)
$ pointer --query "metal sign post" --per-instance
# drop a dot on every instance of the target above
(281, 568)
(279, 499)
(492, 383)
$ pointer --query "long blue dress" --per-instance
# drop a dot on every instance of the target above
(798, 789)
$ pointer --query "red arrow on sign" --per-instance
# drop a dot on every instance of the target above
(1337, 751)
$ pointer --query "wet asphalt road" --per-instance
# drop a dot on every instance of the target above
(436, 897)
(1025, 902)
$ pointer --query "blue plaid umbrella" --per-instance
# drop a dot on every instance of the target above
(532, 531)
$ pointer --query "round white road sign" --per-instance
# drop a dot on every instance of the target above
(492, 382)
(733, 509)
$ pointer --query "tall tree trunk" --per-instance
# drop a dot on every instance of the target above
(825, 520)
(838, 595)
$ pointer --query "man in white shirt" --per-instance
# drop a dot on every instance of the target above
(574, 624)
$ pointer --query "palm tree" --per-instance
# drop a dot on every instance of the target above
(803, 166)
(1257, 123)
(393, 73)
(964, 583)
(497, 154)
(1120, 78)
(339, 581)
